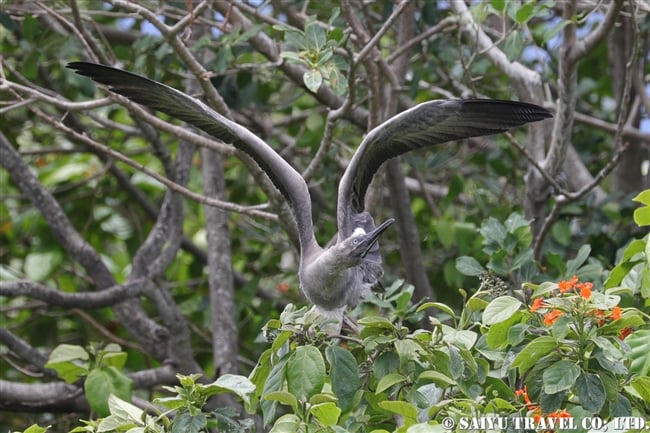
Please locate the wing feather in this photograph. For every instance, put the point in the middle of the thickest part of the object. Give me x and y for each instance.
(160, 97)
(422, 126)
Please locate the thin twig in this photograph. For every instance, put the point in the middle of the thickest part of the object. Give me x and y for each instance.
(384, 28)
(165, 181)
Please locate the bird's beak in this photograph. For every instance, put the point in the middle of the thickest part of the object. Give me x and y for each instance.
(370, 238)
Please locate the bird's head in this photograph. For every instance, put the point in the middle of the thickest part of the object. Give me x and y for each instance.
(360, 242)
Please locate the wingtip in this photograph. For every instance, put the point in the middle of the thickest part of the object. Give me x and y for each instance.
(81, 67)
(524, 112)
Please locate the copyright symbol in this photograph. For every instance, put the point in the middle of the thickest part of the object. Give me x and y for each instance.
(448, 423)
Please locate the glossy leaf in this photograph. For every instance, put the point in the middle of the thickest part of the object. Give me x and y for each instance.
(305, 372)
(344, 375)
(560, 376)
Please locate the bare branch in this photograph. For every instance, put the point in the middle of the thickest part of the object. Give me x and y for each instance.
(581, 48)
(515, 70)
(104, 298)
(41, 396)
(162, 179)
(22, 348)
(629, 132)
(372, 43)
(141, 326)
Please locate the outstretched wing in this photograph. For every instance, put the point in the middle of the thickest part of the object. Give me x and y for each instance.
(184, 107)
(425, 125)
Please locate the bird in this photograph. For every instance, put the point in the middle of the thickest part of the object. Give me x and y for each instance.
(339, 276)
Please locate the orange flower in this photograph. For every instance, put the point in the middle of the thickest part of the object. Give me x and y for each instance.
(560, 414)
(523, 391)
(529, 404)
(537, 414)
(624, 333)
(601, 315)
(585, 289)
(537, 304)
(565, 285)
(550, 318)
(616, 313)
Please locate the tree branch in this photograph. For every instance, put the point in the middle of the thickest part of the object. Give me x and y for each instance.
(142, 327)
(104, 298)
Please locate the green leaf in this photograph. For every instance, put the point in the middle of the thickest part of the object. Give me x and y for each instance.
(35, 428)
(513, 46)
(377, 322)
(643, 197)
(327, 413)
(535, 350)
(123, 415)
(338, 81)
(323, 398)
(439, 305)
(69, 371)
(591, 392)
(388, 381)
(498, 5)
(334, 14)
(517, 333)
(437, 377)
(551, 402)
(261, 371)
(407, 350)
(73, 170)
(500, 309)
(613, 366)
(9, 24)
(560, 376)
(344, 375)
(238, 385)
(497, 335)
(610, 351)
(407, 410)
(31, 28)
(469, 266)
(639, 342)
(274, 382)
(38, 266)
(305, 372)
(525, 12)
(574, 264)
(283, 397)
(116, 360)
(642, 215)
(293, 57)
(288, 423)
(561, 232)
(619, 272)
(641, 385)
(69, 361)
(463, 339)
(620, 406)
(444, 229)
(103, 382)
(493, 231)
(315, 36)
(312, 79)
(186, 423)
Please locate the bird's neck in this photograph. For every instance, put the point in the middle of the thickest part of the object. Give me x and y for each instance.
(325, 278)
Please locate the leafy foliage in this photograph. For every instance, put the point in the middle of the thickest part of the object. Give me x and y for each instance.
(309, 79)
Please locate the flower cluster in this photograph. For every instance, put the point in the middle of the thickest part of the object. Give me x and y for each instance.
(575, 290)
(536, 411)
